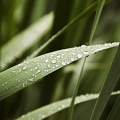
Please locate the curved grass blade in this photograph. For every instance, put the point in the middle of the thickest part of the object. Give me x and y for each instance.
(111, 80)
(28, 72)
(53, 108)
(23, 41)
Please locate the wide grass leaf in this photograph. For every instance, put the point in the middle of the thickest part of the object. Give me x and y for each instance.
(28, 72)
(24, 40)
(109, 85)
(115, 112)
(55, 107)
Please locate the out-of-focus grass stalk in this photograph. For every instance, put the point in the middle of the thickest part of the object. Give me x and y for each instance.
(11, 22)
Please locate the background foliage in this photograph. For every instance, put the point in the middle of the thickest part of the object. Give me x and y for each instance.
(17, 15)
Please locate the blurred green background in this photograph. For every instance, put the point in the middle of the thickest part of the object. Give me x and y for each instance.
(17, 15)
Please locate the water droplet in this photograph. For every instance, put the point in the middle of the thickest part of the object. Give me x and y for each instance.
(72, 59)
(33, 74)
(79, 55)
(63, 106)
(36, 68)
(74, 53)
(86, 52)
(46, 60)
(24, 68)
(5, 83)
(54, 61)
(51, 55)
(30, 79)
(58, 56)
(34, 60)
(92, 49)
(83, 45)
(19, 64)
(23, 85)
(63, 63)
(14, 71)
(56, 65)
(38, 71)
(48, 65)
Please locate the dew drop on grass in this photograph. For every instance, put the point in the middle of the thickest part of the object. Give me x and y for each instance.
(13, 71)
(83, 45)
(36, 68)
(72, 59)
(54, 61)
(63, 106)
(56, 65)
(30, 79)
(86, 52)
(74, 53)
(23, 84)
(58, 56)
(38, 71)
(33, 74)
(46, 60)
(48, 65)
(5, 83)
(79, 55)
(19, 64)
(24, 68)
(63, 63)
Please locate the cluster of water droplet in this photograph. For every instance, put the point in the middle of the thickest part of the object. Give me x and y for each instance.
(50, 62)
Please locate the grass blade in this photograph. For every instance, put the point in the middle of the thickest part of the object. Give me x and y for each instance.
(53, 108)
(97, 17)
(30, 71)
(115, 112)
(23, 41)
(111, 81)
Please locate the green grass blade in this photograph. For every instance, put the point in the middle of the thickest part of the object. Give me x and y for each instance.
(71, 109)
(111, 81)
(53, 108)
(97, 17)
(115, 112)
(28, 72)
(23, 41)
(11, 19)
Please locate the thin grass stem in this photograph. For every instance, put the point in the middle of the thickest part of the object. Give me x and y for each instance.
(71, 109)
(95, 22)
